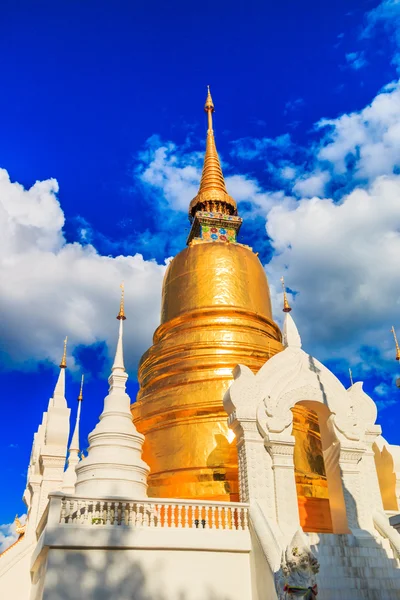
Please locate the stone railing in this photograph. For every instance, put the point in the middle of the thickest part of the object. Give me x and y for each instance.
(157, 513)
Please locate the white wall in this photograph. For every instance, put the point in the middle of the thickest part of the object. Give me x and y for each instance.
(15, 581)
(96, 574)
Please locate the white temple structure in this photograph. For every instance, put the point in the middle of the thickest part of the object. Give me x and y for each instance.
(93, 533)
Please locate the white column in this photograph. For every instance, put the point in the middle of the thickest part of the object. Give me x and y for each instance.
(352, 481)
(281, 450)
(256, 481)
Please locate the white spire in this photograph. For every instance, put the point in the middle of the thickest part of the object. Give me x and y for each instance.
(69, 479)
(291, 336)
(58, 398)
(114, 465)
(119, 354)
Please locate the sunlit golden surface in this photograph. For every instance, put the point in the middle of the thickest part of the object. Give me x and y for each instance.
(216, 313)
(311, 482)
(386, 477)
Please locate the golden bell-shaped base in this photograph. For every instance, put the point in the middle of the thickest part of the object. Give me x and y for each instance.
(216, 313)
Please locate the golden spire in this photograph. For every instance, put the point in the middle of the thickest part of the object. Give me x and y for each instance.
(286, 306)
(121, 314)
(80, 397)
(212, 195)
(63, 364)
(397, 344)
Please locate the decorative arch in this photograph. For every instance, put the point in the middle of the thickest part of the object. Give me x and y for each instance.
(347, 424)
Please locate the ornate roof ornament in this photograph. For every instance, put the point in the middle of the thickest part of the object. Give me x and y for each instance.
(286, 306)
(121, 314)
(63, 363)
(397, 344)
(119, 354)
(58, 397)
(19, 528)
(80, 396)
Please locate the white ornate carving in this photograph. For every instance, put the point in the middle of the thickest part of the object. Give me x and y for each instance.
(297, 575)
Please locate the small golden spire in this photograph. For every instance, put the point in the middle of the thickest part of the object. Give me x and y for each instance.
(63, 364)
(397, 344)
(209, 108)
(286, 306)
(351, 377)
(212, 195)
(80, 397)
(121, 314)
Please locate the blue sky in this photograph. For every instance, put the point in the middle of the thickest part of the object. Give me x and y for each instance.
(102, 106)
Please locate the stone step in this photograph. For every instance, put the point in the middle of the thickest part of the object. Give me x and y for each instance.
(356, 583)
(352, 594)
(355, 551)
(358, 561)
(347, 541)
(375, 572)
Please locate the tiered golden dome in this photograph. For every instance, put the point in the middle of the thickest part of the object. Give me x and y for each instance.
(216, 313)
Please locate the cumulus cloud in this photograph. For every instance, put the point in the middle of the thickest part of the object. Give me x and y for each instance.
(312, 184)
(342, 259)
(52, 288)
(8, 535)
(366, 143)
(172, 171)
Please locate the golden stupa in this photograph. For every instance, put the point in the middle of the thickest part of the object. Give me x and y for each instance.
(216, 313)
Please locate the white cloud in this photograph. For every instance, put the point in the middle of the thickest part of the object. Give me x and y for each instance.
(175, 174)
(8, 534)
(342, 259)
(311, 184)
(52, 288)
(371, 137)
(288, 173)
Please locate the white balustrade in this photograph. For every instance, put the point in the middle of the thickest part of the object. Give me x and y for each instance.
(152, 513)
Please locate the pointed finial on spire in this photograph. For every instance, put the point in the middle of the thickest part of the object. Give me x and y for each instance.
(119, 354)
(397, 344)
(59, 391)
(212, 195)
(63, 364)
(80, 397)
(121, 314)
(286, 306)
(209, 108)
(351, 377)
(19, 528)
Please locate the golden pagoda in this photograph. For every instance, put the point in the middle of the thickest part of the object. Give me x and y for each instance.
(216, 313)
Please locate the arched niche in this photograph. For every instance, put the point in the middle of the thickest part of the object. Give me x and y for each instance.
(334, 512)
(386, 476)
